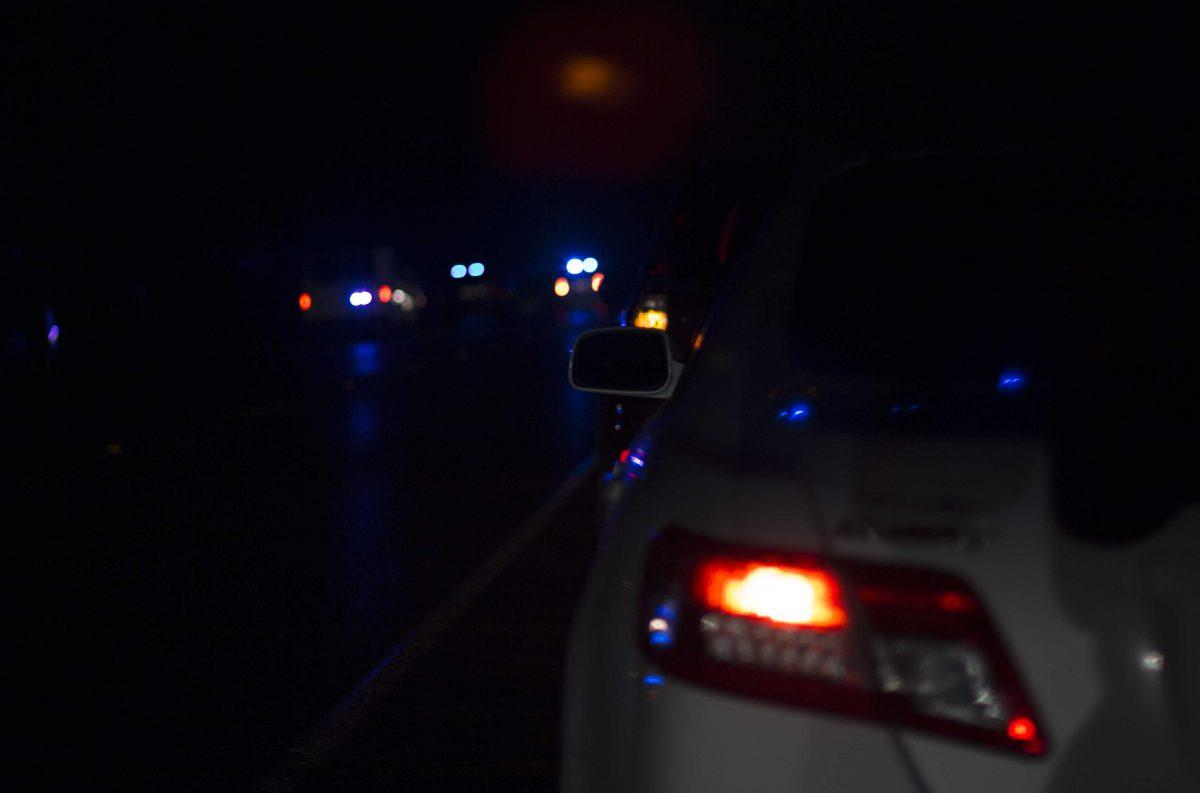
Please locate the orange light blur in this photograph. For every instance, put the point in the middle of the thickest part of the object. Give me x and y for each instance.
(650, 318)
(305, 301)
(783, 595)
(698, 342)
(597, 280)
(561, 287)
(1022, 729)
(587, 77)
(385, 294)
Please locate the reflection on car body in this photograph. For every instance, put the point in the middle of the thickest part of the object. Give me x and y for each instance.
(915, 518)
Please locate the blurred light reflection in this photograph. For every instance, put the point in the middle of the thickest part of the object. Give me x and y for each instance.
(364, 358)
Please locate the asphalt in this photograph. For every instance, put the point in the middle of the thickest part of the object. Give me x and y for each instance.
(471, 700)
(194, 589)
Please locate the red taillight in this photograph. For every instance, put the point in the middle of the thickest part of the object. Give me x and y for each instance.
(385, 294)
(1022, 729)
(873, 641)
(783, 595)
(305, 301)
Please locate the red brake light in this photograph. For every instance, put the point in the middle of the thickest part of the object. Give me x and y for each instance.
(385, 294)
(908, 646)
(305, 301)
(1022, 729)
(783, 595)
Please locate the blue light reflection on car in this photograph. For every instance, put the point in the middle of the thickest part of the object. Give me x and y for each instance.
(652, 681)
(631, 463)
(795, 413)
(1011, 381)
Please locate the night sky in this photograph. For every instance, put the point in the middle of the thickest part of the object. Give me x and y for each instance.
(182, 156)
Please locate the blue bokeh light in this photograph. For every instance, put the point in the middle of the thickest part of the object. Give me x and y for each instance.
(458, 271)
(574, 266)
(475, 270)
(590, 265)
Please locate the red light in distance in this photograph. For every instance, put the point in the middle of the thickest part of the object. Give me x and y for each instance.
(385, 294)
(305, 301)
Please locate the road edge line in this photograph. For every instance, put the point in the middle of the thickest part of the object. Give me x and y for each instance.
(345, 717)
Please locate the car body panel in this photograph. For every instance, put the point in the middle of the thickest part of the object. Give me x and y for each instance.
(1102, 630)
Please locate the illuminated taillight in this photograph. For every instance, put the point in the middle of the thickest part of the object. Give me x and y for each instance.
(385, 294)
(305, 301)
(597, 281)
(561, 287)
(913, 647)
(783, 595)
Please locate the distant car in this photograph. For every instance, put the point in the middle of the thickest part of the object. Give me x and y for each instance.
(477, 288)
(709, 225)
(358, 286)
(922, 513)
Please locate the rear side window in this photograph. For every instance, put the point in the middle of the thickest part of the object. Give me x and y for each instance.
(710, 224)
(962, 267)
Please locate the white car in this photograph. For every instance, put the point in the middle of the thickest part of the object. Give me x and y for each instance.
(923, 514)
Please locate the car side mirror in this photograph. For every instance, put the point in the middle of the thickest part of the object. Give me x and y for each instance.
(625, 362)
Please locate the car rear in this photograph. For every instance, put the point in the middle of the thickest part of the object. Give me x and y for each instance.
(930, 532)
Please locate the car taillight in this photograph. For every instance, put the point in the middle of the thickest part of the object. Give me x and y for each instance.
(900, 645)
(385, 294)
(305, 301)
(781, 595)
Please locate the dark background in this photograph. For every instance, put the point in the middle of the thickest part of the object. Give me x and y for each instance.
(163, 165)
(219, 524)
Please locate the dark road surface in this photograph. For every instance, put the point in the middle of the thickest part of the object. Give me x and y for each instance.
(196, 601)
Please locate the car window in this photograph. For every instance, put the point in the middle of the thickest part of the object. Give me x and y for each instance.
(965, 267)
(707, 228)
